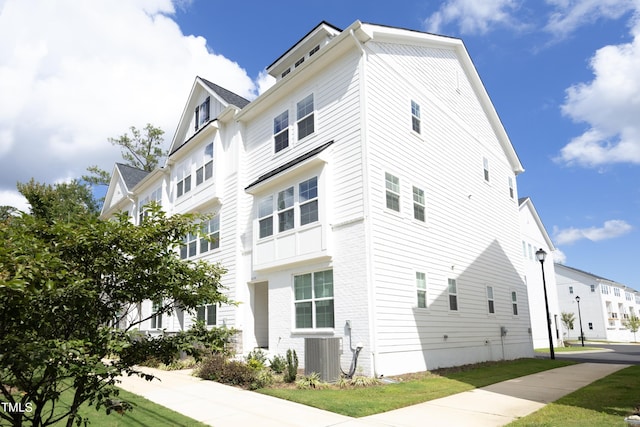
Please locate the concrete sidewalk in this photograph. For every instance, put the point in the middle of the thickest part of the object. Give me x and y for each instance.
(496, 405)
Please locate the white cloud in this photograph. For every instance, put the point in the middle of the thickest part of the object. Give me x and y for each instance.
(15, 199)
(264, 82)
(568, 15)
(610, 229)
(473, 16)
(559, 256)
(74, 73)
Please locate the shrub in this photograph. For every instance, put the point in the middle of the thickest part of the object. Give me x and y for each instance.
(362, 381)
(310, 381)
(263, 378)
(291, 370)
(278, 364)
(257, 354)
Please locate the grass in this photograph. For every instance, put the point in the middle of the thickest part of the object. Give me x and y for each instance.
(567, 349)
(360, 402)
(605, 402)
(144, 413)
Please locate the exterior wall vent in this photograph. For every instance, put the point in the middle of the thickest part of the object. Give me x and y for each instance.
(322, 355)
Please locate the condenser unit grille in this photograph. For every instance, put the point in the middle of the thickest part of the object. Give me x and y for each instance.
(322, 355)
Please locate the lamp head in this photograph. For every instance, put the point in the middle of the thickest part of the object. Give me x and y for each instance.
(541, 255)
(578, 299)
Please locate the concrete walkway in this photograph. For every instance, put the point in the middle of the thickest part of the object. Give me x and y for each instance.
(496, 405)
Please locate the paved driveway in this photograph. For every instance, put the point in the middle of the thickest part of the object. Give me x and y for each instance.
(611, 353)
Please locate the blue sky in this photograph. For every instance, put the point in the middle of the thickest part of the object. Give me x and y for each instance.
(563, 75)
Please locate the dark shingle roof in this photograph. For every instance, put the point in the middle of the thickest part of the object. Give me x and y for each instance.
(131, 175)
(228, 96)
(289, 164)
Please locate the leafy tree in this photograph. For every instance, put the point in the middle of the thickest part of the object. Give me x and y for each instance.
(7, 211)
(65, 281)
(633, 324)
(143, 150)
(64, 201)
(567, 320)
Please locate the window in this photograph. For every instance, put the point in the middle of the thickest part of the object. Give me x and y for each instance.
(308, 195)
(155, 196)
(616, 291)
(415, 116)
(208, 240)
(421, 284)
(205, 171)
(314, 50)
(490, 300)
(570, 289)
(202, 113)
(285, 72)
(305, 117)
(265, 217)
(590, 325)
(314, 300)
(288, 205)
(392, 184)
(593, 288)
(514, 302)
(605, 289)
(285, 209)
(418, 204)
(299, 62)
(281, 131)
(183, 185)
(207, 314)
(156, 319)
(511, 190)
(524, 249)
(453, 295)
(210, 229)
(485, 163)
(530, 251)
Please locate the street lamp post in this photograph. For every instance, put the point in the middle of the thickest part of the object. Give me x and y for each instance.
(540, 256)
(580, 319)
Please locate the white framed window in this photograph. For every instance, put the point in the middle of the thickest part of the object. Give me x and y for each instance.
(590, 326)
(314, 50)
(202, 113)
(490, 300)
(421, 285)
(281, 132)
(453, 295)
(205, 170)
(305, 117)
(512, 191)
(313, 304)
(570, 289)
(299, 62)
(604, 289)
(156, 319)
(524, 249)
(616, 291)
(514, 302)
(207, 314)
(415, 116)
(155, 196)
(265, 217)
(183, 184)
(419, 204)
(285, 72)
(392, 184)
(189, 246)
(308, 199)
(485, 165)
(210, 238)
(593, 288)
(285, 210)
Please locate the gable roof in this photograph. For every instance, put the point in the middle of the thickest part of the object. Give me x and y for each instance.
(131, 175)
(526, 201)
(226, 95)
(595, 277)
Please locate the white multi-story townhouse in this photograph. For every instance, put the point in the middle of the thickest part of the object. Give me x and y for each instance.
(605, 305)
(369, 196)
(535, 237)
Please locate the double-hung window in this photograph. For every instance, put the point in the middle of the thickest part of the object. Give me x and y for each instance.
(314, 300)
(453, 295)
(205, 171)
(308, 195)
(210, 239)
(418, 204)
(511, 189)
(304, 117)
(514, 302)
(415, 116)
(490, 300)
(207, 314)
(189, 246)
(202, 113)
(485, 165)
(285, 210)
(156, 318)
(421, 285)
(183, 184)
(265, 216)
(281, 132)
(392, 184)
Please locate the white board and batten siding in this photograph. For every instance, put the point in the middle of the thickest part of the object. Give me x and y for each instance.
(471, 232)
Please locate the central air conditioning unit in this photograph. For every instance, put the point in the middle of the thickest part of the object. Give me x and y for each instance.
(322, 355)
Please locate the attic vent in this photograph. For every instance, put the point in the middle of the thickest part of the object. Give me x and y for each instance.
(287, 71)
(314, 50)
(299, 61)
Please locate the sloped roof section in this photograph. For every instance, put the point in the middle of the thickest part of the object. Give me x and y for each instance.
(131, 175)
(228, 96)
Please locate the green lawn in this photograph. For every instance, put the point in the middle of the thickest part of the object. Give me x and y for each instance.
(571, 349)
(361, 402)
(144, 413)
(603, 403)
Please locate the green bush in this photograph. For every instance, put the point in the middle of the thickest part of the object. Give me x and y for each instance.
(234, 372)
(291, 370)
(278, 364)
(310, 381)
(257, 354)
(263, 378)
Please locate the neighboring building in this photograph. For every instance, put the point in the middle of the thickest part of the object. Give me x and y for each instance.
(534, 237)
(369, 195)
(605, 305)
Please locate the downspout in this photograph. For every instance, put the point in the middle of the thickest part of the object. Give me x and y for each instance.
(366, 204)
